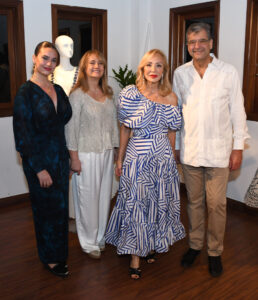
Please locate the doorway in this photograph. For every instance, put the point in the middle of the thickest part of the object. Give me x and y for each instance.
(180, 19)
(86, 26)
(250, 83)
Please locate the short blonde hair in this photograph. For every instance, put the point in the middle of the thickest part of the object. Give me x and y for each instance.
(82, 81)
(164, 84)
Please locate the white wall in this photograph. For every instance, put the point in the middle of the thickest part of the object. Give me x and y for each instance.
(160, 21)
(12, 181)
(134, 26)
(239, 180)
(231, 49)
(38, 27)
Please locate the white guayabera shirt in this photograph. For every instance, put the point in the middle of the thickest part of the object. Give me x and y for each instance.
(214, 119)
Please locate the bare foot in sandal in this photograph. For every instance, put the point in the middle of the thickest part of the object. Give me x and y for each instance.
(150, 258)
(134, 269)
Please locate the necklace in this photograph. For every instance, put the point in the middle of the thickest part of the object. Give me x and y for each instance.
(52, 77)
(44, 85)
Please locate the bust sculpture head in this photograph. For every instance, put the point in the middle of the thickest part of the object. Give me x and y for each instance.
(65, 74)
(64, 45)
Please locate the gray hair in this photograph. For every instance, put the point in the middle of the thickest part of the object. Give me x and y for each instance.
(197, 27)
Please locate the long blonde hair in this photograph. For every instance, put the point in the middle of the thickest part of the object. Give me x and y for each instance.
(164, 84)
(82, 81)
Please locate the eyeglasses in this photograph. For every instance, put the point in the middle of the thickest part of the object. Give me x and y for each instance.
(200, 42)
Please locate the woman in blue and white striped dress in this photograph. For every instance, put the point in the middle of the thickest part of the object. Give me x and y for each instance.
(146, 217)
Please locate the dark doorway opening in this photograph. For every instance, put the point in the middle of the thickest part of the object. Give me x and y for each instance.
(86, 26)
(180, 20)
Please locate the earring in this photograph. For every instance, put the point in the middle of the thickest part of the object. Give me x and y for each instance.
(33, 69)
(161, 80)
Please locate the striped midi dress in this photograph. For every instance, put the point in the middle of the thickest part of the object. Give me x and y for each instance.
(146, 215)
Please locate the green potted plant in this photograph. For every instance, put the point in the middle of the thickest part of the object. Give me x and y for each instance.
(124, 76)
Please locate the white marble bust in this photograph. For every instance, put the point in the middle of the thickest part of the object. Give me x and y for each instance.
(65, 74)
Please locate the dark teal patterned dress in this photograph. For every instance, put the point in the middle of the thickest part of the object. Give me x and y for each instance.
(39, 138)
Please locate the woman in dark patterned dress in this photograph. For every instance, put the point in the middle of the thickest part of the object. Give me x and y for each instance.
(41, 111)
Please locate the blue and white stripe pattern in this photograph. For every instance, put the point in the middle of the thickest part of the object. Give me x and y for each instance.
(147, 212)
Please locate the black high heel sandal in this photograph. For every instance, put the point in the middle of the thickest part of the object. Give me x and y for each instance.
(60, 269)
(135, 271)
(150, 258)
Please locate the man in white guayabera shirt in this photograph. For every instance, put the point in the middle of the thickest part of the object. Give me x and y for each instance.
(211, 141)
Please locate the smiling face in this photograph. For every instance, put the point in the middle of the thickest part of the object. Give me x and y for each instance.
(45, 62)
(95, 67)
(199, 45)
(153, 69)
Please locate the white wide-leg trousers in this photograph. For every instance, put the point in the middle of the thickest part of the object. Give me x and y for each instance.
(92, 194)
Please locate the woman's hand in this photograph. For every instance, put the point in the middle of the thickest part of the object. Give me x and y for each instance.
(177, 156)
(124, 137)
(118, 169)
(76, 166)
(45, 179)
(115, 154)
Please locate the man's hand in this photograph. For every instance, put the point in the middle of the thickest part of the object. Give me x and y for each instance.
(235, 159)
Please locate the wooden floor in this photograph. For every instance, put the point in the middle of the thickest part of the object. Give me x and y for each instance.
(23, 277)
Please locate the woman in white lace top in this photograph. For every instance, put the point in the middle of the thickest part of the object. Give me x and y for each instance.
(92, 135)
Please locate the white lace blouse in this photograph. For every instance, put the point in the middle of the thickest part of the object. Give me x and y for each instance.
(93, 126)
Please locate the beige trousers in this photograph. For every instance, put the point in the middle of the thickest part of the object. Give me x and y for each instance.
(204, 184)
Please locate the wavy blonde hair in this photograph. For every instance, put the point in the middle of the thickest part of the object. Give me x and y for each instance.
(164, 84)
(82, 81)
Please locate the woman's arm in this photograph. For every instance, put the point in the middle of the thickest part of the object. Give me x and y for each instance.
(24, 130)
(172, 99)
(75, 162)
(72, 131)
(172, 140)
(124, 137)
(171, 133)
(26, 138)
